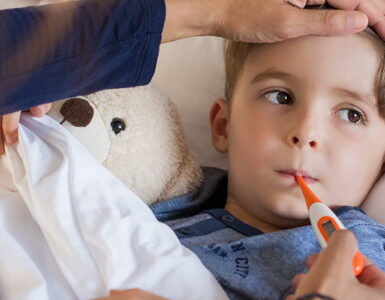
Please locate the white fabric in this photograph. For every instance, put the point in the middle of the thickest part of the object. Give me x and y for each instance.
(69, 229)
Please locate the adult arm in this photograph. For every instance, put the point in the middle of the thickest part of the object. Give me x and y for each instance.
(58, 51)
(331, 273)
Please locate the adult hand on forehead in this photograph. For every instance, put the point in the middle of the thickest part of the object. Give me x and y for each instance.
(261, 21)
(9, 124)
(374, 10)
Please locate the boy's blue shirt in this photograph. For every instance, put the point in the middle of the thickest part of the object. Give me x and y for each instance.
(248, 263)
(76, 48)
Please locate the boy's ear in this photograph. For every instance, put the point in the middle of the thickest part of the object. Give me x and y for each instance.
(218, 121)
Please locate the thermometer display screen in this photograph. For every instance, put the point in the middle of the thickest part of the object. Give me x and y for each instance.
(329, 227)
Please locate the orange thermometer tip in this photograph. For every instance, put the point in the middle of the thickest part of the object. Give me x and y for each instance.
(307, 193)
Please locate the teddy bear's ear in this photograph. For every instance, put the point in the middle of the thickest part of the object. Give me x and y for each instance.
(77, 111)
(81, 118)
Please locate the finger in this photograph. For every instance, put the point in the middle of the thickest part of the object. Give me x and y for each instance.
(2, 149)
(134, 294)
(39, 111)
(371, 275)
(324, 22)
(297, 3)
(360, 5)
(333, 266)
(311, 260)
(337, 257)
(297, 280)
(290, 297)
(379, 27)
(9, 126)
(48, 107)
(374, 10)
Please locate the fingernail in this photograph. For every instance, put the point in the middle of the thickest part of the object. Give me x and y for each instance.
(298, 3)
(356, 20)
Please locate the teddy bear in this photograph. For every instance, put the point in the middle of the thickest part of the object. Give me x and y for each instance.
(137, 134)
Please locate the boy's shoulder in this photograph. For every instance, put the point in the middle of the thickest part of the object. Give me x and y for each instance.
(211, 194)
(370, 235)
(353, 217)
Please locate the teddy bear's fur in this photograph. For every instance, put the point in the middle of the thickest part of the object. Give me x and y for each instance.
(137, 134)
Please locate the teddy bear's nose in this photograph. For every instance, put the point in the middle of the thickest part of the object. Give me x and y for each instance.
(77, 111)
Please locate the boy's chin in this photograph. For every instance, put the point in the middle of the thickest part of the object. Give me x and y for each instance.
(292, 211)
(293, 219)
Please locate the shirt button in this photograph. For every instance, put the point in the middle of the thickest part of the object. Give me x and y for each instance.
(186, 230)
(228, 218)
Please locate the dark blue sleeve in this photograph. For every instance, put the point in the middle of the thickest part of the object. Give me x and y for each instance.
(76, 48)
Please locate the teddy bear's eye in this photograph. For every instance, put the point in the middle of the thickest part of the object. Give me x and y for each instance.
(117, 125)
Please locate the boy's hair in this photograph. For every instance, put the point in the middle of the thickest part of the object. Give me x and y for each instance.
(236, 54)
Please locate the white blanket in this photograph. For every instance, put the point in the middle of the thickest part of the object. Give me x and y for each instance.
(69, 229)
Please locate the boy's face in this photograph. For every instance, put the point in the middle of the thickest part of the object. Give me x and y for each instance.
(307, 106)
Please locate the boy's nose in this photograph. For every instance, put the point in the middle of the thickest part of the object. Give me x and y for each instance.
(304, 133)
(303, 141)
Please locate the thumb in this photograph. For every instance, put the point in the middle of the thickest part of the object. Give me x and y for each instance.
(329, 22)
(338, 255)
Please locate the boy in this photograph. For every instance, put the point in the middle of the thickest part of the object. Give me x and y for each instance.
(312, 106)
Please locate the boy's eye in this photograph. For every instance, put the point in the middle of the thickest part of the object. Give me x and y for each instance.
(279, 97)
(351, 115)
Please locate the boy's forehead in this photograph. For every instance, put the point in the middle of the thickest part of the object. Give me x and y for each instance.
(315, 46)
(344, 60)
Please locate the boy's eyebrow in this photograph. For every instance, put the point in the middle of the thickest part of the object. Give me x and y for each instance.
(271, 73)
(366, 98)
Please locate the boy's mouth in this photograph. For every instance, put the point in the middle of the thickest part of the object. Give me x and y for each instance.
(291, 173)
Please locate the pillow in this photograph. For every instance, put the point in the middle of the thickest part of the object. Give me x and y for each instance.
(191, 72)
(5, 4)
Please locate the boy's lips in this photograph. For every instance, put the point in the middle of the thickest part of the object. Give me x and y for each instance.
(291, 173)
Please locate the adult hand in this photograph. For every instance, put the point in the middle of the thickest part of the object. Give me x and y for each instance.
(131, 294)
(10, 122)
(331, 273)
(261, 21)
(374, 10)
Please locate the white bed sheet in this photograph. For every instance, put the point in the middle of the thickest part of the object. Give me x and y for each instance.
(70, 229)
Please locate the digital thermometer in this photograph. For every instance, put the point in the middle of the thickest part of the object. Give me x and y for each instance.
(325, 222)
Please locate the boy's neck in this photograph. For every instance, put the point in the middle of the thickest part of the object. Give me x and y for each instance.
(242, 214)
